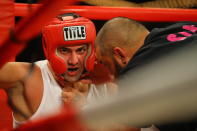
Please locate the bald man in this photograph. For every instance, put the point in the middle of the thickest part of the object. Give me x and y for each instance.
(123, 44)
(118, 41)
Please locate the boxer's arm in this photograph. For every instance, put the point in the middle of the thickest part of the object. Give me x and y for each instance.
(13, 76)
(12, 72)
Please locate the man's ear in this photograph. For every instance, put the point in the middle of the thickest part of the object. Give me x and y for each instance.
(120, 56)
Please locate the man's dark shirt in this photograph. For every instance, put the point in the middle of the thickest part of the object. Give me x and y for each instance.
(160, 42)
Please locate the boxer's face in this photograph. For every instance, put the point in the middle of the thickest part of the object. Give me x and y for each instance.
(74, 57)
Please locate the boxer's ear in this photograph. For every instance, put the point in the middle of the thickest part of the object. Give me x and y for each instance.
(120, 56)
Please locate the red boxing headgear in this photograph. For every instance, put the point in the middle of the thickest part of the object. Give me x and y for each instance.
(68, 32)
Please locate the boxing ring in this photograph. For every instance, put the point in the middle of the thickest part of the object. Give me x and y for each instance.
(139, 102)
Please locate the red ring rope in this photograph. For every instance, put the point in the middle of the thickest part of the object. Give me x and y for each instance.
(140, 14)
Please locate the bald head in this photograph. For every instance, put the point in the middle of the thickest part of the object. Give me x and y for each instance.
(122, 32)
(119, 39)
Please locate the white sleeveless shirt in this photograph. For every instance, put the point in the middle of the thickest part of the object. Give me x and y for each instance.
(51, 100)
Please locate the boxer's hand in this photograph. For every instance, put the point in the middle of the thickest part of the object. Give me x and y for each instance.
(76, 94)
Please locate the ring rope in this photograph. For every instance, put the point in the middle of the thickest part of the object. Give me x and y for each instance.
(140, 14)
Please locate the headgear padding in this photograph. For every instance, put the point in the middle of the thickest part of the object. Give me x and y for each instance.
(68, 32)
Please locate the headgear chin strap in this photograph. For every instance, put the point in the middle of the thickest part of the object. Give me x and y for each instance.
(74, 31)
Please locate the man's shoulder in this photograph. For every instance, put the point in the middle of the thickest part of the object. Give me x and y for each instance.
(175, 35)
(174, 27)
(177, 32)
(17, 66)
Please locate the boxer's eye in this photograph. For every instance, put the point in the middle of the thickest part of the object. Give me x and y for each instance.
(64, 50)
(82, 50)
